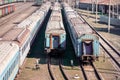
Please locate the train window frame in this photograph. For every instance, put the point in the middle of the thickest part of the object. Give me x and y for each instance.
(91, 40)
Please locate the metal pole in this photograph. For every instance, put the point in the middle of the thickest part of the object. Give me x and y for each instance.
(117, 11)
(92, 6)
(113, 11)
(96, 10)
(109, 16)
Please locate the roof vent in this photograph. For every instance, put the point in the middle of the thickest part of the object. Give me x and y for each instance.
(11, 44)
(0, 38)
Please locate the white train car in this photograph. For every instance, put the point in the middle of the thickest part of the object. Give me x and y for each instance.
(55, 35)
(9, 60)
(34, 22)
(24, 33)
(15, 44)
(21, 37)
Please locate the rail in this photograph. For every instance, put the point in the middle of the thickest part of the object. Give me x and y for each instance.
(60, 68)
(82, 69)
(96, 72)
(14, 15)
(49, 69)
(85, 73)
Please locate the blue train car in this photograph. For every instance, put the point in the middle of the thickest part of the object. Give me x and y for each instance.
(55, 35)
(84, 40)
(9, 60)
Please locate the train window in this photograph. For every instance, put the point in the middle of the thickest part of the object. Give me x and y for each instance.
(9, 72)
(25, 46)
(6, 78)
(3, 78)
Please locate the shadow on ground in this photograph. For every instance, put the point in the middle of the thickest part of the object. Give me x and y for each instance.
(115, 31)
(37, 48)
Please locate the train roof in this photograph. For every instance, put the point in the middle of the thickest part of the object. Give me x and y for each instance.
(55, 24)
(24, 24)
(7, 52)
(56, 13)
(72, 14)
(77, 23)
(82, 29)
(55, 27)
(17, 35)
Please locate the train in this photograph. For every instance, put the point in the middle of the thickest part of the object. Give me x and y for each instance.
(19, 40)
(55, 35)
(3, 2)
(9, 60)
(6, 9)
(85, 41)
(6, 2)
(38, 2)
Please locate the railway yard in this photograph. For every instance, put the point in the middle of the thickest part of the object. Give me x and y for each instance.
(39, 64)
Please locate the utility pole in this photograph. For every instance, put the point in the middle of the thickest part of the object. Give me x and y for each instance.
(113, 12)
(109, 16)
(117, 9)
(96, 10)
(77, 3)
(92, 5)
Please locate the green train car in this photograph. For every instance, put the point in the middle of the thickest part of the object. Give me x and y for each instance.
(38, 2)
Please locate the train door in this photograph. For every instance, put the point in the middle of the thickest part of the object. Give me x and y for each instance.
(55, 40)
(88, 47)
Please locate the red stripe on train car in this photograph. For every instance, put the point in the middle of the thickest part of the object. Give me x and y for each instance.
(3, 11)
(9, 9)
(13, 7)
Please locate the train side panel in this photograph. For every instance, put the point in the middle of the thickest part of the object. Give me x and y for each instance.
(47, 40)
(63, 41)
(24, 49)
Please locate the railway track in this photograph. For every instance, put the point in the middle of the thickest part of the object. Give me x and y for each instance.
(11, 21)
(108, 48)
(12, 16)
(89, 73)
(55, 69)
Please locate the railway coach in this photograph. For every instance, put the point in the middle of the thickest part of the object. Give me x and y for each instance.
(84, 40)
(6, 9)
(55, 35)
(24, 33)
(15, 43)
(34, 22)
(9, 60)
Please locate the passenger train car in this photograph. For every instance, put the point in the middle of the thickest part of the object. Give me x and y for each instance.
(55, 35)
(38, 2)
(84, 40)
(25, 32)
(15, 44)
(9, 60)
(6, 9)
